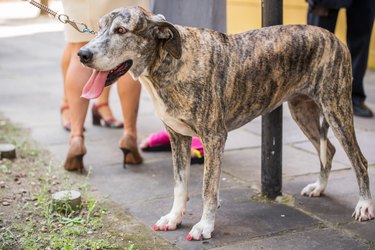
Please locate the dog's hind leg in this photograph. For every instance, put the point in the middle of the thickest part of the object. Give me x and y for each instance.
(306, 113)
(181, 169)
(213, 149)
(339, 114)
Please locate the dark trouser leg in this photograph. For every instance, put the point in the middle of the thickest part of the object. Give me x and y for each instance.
(360, 19)
(326, 22)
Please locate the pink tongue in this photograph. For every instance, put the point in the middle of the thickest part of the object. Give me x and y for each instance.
(95, 85)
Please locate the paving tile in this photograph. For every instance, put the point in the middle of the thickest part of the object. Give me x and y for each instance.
(246, 164)
(240, 138)
(323, 239)
(291, 132)
(363, 230)
(239, 218)
(338, 201)
(50, 134)
(365, 141)
(148, 181)
(366, 124)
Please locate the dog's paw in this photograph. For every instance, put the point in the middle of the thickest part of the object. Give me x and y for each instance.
(313, 190)
(364, 210)
(201, 230)
(169, 222)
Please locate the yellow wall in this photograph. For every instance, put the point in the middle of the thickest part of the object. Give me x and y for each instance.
(246, 14)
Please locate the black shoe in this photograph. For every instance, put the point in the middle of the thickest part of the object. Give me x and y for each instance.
(360, 109)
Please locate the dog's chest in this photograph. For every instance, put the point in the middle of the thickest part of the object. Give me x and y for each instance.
(161, 110)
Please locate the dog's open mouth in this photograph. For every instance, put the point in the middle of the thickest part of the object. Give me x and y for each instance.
(100, 79)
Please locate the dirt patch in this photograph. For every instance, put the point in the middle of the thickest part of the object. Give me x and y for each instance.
(28, 219)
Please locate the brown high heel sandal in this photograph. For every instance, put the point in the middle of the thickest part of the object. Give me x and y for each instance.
(74, 158)
(128, 145)
(98, 120)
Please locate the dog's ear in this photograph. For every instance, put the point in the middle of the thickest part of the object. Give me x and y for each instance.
(169, 34)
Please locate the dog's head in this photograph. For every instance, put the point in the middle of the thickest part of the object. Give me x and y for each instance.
(128, 39)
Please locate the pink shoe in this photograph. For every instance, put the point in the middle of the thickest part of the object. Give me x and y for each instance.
(159, 142)
(197, 151)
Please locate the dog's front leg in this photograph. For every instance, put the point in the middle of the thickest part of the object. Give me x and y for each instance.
(213, 151)
(181, 168)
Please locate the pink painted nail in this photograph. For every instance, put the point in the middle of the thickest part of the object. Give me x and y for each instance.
(156, 227)
(189, 237)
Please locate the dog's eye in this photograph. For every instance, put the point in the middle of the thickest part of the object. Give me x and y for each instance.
(120, 30)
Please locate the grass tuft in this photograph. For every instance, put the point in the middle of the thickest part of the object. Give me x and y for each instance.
(29, 219)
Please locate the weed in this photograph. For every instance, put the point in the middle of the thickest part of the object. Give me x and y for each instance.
(7, 238)
(46, 226)
(31, 220)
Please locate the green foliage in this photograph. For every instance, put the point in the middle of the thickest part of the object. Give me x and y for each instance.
(38, 223)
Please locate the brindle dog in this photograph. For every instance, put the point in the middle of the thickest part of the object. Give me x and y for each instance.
(205, 83)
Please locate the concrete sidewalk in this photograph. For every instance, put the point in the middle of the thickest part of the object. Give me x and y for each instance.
(30, 94)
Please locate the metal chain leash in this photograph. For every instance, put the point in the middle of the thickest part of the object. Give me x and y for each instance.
(80, 27)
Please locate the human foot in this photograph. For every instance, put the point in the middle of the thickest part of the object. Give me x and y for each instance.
(102, 116)
(74, 158)
(128, 145)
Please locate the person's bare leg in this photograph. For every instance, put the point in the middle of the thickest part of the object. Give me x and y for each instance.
(75, 79)
(65, 60)
(129, 92)
(102, 111)
(104, 97)
(64, 107)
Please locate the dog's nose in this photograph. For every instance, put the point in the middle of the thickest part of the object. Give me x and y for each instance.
(85, 55)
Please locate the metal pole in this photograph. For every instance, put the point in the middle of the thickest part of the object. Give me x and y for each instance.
(272, 14)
